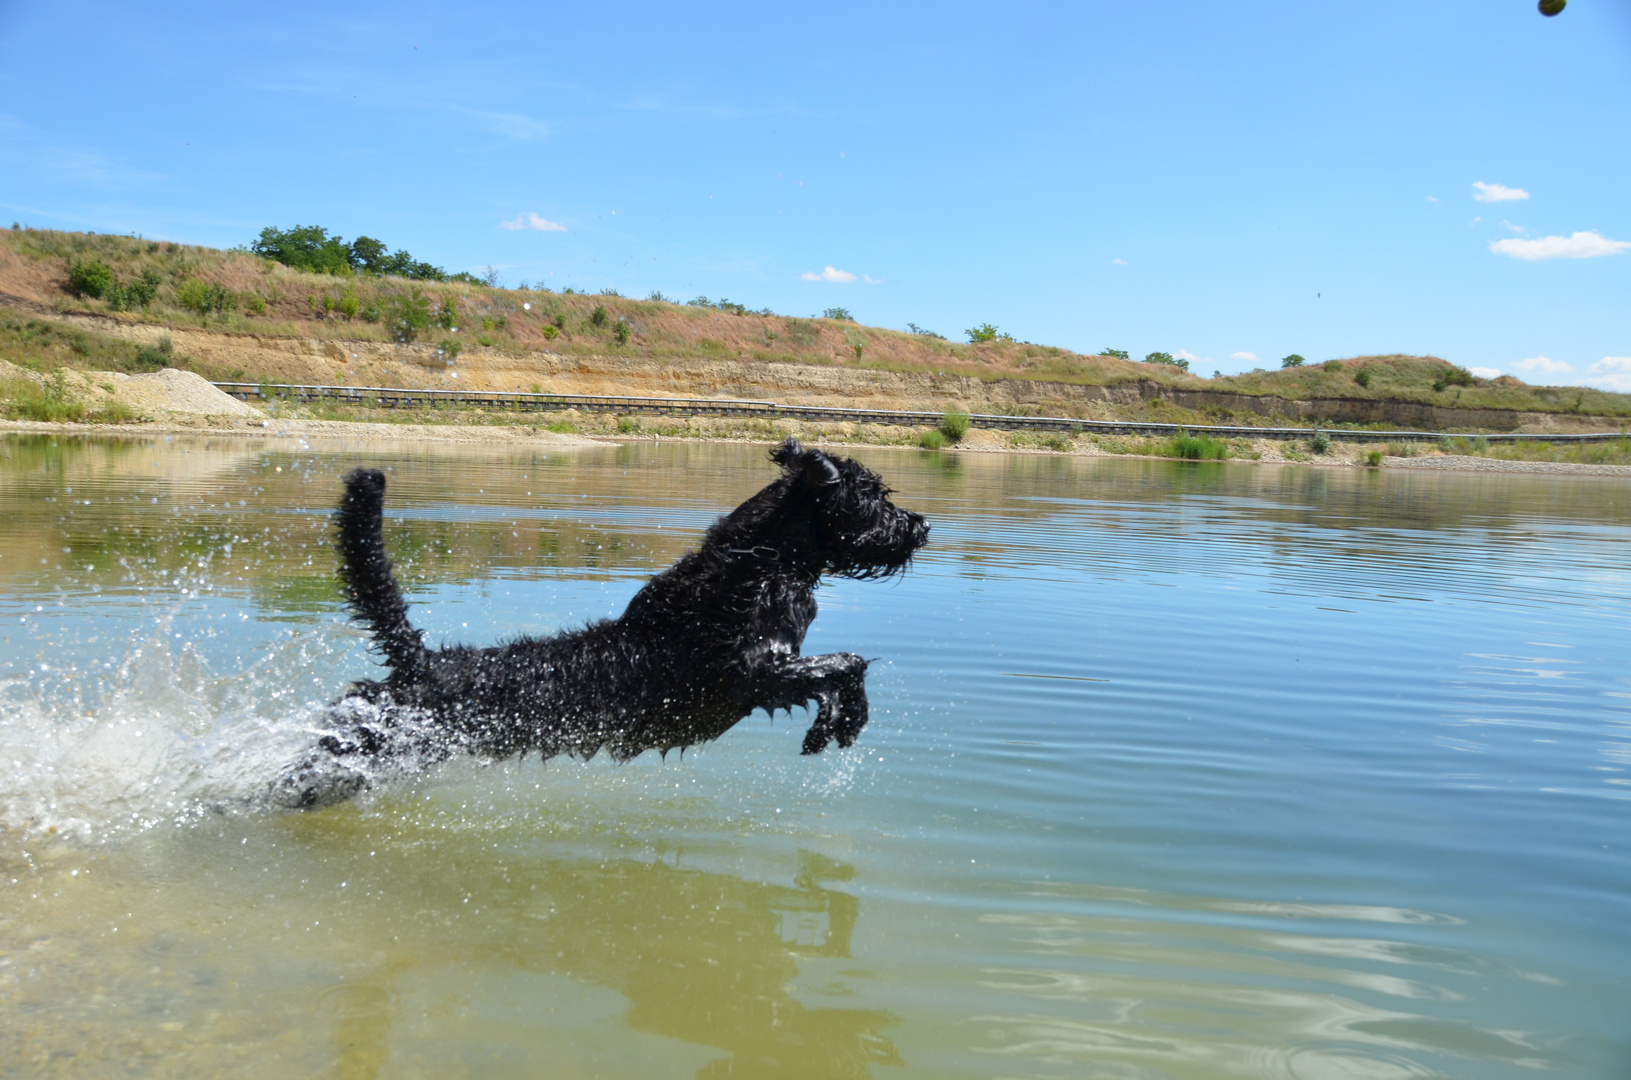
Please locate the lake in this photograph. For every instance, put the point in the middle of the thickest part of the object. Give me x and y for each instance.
(1174, 770)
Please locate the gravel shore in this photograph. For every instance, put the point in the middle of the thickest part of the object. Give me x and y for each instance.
(1465, 463)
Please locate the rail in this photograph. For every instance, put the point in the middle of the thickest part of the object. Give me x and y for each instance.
(387, 397)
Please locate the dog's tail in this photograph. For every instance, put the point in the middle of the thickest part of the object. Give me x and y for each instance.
(366, 571)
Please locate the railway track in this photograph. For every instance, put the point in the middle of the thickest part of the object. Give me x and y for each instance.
(385, 397)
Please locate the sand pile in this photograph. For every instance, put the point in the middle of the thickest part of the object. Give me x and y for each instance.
(172, 391)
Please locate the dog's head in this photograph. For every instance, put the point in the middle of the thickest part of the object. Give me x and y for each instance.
(860, 533)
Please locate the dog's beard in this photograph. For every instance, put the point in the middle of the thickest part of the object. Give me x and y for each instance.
(882, 550)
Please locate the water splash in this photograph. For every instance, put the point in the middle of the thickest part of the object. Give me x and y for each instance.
(159, 740)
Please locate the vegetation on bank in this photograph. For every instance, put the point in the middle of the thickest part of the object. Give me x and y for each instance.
(302, 290)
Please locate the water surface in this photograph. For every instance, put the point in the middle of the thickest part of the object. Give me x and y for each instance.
(1175, 770)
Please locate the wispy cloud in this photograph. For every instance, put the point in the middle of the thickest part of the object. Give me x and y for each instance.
(1543, 365)
(513, 125)
(829, 274)
(1118, 262)
(1486, 372)
(1610, 373)
(1432, 198)
(1184, 354)
(1519, 229)
(532, 221)
(1496, 192)
(1580, 245)
(1249, 357)
(872, 280)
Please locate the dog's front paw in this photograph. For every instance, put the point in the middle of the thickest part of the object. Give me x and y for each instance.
(840, 717)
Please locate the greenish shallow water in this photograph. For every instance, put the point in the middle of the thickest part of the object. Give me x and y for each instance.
(1175, 770)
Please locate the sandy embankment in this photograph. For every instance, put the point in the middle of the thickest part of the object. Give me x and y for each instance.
(182, 402)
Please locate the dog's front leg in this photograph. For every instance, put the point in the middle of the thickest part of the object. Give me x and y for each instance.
(836, 680)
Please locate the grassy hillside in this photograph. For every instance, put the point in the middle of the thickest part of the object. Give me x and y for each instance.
(45, 274)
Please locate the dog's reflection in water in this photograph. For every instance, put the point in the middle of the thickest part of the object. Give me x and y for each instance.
(699, 957)
(702, 645)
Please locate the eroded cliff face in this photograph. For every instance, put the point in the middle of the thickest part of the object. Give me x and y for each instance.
(371, 363)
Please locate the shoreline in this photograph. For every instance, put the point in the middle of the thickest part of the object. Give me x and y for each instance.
(518, 435)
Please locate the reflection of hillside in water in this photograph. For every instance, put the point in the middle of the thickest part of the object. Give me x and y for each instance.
(251, 516)
(408, 959)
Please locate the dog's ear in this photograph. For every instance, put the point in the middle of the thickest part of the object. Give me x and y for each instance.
(787, 455)
(819, 469)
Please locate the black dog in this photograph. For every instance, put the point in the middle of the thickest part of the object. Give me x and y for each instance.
(701, 646)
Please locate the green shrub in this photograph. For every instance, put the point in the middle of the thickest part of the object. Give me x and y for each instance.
(1319, 442)
(839, 313)
(1458, 376)
(27, 400)
(89, 279)
(620, 331)
(627, 424)
(483, 339)
(1401, 449)
(114, 411)
(597, 317)
(1167, 359)
(447, 315)
(979, 335)
(406, 315)
(196, 294)
(1119, 354)
(859, 350)
(954, 425)
(1372, 458)
(1197, 447)
(1362, 377)
(142, 291)
(450, 349)
(138, 293)
(802, 331)
(1332, 365)
(372, 312)
(933, 439)
(1438, 385)
(255, 304)
(149, 358)
(1292, 361)
(550, 333)
(350, 306)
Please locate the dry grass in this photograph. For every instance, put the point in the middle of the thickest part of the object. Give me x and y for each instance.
(272, 300)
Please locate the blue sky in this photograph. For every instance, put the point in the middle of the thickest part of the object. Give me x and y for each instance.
(1231, 182)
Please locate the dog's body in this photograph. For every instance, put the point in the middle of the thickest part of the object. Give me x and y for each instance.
(700, 647)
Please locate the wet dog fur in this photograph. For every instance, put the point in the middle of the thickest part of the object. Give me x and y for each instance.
(702, 645)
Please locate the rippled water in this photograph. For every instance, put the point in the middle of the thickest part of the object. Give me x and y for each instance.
(1175, 770)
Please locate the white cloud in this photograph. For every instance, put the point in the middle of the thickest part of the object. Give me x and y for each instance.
(1474, 221)
(1543, 365)
(1496, 192)
(829, 274)
(1507, 225)
(1432, 198)
(1118, 262)
(1486, 372)
(1184, 354)
(1249, 357)
(1580, 245)
(872, 280)
(532, 221)
(1610, 373)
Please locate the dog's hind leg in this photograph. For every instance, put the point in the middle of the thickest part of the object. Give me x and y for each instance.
(369, 586)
